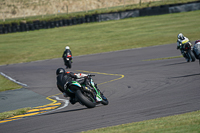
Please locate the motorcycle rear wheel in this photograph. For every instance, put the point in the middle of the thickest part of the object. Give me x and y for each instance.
(68, 63)
(87, 101)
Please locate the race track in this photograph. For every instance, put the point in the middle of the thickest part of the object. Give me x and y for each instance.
(143, 89)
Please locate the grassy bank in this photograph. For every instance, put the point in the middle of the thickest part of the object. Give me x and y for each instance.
(184, 123)
(6, 84)
(98, 37)
(12, 113)
(19, 10)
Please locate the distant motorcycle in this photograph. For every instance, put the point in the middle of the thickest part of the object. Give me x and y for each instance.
(68, 61)
(189, 55)
(87, 93)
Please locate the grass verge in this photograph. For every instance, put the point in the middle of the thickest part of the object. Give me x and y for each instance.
(6, 84)
(184, 123)
(12, 113)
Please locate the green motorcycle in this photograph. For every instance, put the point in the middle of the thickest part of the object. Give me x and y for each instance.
(87, 92)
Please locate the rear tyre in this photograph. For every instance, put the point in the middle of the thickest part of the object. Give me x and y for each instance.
(87, 101)
(69, 65)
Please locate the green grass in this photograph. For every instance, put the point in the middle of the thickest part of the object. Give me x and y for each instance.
(12, 113)
(6, 84)
(184, 123)
(98, 37)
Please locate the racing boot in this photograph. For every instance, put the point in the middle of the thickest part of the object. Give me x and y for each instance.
(73, 100)
(64, 94)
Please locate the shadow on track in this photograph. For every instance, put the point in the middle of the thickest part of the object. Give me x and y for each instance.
(73, 110)
(176, 63)
(187, 75)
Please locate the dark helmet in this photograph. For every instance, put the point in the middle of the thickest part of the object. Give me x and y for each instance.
(60, 70)
(197, 41)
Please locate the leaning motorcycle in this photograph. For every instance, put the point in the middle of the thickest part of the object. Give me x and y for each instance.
(196, 50)
(87, 93)
(189, 55)
(68, 61)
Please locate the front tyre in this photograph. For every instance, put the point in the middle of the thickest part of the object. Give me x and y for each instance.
(105, 100)
(191, 54)
(87, 101)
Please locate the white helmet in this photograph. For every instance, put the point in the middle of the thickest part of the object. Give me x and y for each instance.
(67, 47)
(180, 36)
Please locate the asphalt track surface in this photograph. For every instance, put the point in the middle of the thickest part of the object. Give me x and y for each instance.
(148, 90)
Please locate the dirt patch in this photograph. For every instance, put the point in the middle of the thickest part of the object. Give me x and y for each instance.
(22, 8)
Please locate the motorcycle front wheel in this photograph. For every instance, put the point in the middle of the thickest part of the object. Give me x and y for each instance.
(105, 100)
(191, 54)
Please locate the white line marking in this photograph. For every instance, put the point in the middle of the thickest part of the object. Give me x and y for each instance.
(65, 105)
(6, 76)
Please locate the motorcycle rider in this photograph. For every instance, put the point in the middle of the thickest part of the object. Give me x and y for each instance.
(197, 42)
(181, 40)
(65, 53)
(196, 49)
(65, 78)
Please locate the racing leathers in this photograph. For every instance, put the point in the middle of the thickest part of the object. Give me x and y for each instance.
(64, 79)
(65, 53)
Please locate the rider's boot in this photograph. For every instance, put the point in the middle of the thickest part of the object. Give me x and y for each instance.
(73, 100)
(64, 94)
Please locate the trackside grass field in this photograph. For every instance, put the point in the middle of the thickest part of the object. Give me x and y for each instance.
(98, 37)
(6, 84)
(184, 123)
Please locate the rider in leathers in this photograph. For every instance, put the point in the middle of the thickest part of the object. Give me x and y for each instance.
(64, 79)
(181, 40)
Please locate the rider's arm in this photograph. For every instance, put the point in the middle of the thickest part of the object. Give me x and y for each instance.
(178, 45)
(64, 53)
(71, 74)
(81, 75)
(71, 52)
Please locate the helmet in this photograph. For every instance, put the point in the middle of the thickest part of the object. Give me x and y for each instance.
(67, 47)
(180, 36)
(197, 41)
(60, 71)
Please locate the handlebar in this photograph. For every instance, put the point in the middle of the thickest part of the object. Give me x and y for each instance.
(90, 75)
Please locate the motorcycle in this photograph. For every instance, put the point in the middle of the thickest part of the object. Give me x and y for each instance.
(68, 61)
(196, 50)
(87, 92)
(188, 52)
